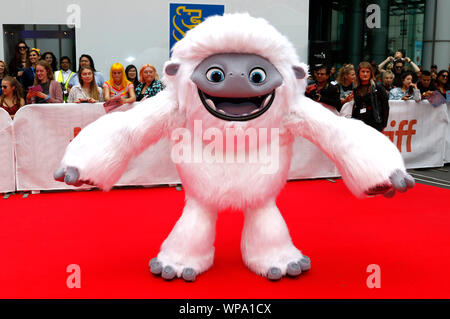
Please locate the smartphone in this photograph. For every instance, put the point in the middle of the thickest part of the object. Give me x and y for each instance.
(112, 104)
(36, 88)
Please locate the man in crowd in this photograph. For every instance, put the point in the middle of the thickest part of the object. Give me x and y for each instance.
(425, 85)
(64, 75)
(434, 69)
(322, 90)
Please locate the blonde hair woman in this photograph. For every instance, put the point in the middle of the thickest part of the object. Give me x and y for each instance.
(388, 80)
(118, 87)
(3, 70)
(346, 80)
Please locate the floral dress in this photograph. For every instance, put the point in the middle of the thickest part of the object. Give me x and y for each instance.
(150, 91)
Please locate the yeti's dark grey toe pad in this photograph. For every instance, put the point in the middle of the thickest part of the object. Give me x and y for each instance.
(155, 266)
(189, 274)
(168, 273)
(274, 274)
(293, 269)
(305, 263)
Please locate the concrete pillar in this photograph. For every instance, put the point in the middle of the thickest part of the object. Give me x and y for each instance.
(356, 32)
(380, 35)
(436, 36)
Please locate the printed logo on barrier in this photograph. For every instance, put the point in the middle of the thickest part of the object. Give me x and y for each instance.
(405, 128)
(76, 131)
(184, 17)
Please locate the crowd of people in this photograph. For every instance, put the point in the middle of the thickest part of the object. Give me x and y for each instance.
(371, 86)
(33, 78)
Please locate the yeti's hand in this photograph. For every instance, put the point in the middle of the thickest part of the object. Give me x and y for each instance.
(70, 176)
(367, 160)
(398, 181)
(100, 153)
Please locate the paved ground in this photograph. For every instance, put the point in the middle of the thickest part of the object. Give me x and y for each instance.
(439, 177)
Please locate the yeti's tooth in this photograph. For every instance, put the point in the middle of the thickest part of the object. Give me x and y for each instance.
(221, 111)
(210, 104)
(254, 111)
(266, 101)
(245, 114)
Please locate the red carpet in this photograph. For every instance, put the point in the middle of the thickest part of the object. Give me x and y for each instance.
(112, 236)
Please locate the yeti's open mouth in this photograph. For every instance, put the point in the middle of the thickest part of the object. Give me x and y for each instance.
(237, 109)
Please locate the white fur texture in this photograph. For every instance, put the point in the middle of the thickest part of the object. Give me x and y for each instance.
(266, 241)
(102, 150)
(363, 156)
(191, 242)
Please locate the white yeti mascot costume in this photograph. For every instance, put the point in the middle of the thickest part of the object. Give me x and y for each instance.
(234, 72)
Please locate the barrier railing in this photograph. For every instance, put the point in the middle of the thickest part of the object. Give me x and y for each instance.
(7, 169)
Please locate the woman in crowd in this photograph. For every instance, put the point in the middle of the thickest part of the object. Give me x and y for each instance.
(376, 71)
(332, 73)
(132, 74)
(371, 103)
(388, 80)
(3, 69)
(407, 91)
(150, 84)
(442, 82)
(3, 73)
(390, 67)
(86, 60)
(27, 78)
(51, 59)
(49, 91)
(87, 91)
(19, 62)
(118, 85)
(11, 99)
(346, 80)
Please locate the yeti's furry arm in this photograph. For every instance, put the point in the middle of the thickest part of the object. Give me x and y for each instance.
(367, 160)
(100, 153)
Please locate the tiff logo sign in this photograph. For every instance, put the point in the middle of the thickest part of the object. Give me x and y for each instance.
(401, 132)
(373, 20)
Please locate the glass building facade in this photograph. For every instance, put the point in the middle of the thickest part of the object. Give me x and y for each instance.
(351, 31)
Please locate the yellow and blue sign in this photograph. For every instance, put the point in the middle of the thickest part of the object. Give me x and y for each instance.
(184, 17)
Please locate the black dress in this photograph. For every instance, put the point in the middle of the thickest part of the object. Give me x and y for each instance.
(371, 106)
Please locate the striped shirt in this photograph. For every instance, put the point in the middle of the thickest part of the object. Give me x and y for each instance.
(119, 91)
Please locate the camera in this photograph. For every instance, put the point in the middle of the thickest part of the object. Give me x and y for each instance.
(402, 60)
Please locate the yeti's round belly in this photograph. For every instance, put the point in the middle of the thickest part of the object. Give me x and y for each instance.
(237, 184)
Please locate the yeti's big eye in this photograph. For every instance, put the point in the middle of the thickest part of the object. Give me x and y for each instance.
(257, 75)
(215, 75)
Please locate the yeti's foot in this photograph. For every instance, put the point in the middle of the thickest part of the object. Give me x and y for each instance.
(266, 246)
(170, 270)
(293, 269)
(189, 249)
(275, 265)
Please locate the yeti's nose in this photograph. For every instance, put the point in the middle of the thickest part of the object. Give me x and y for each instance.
(231, 74)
